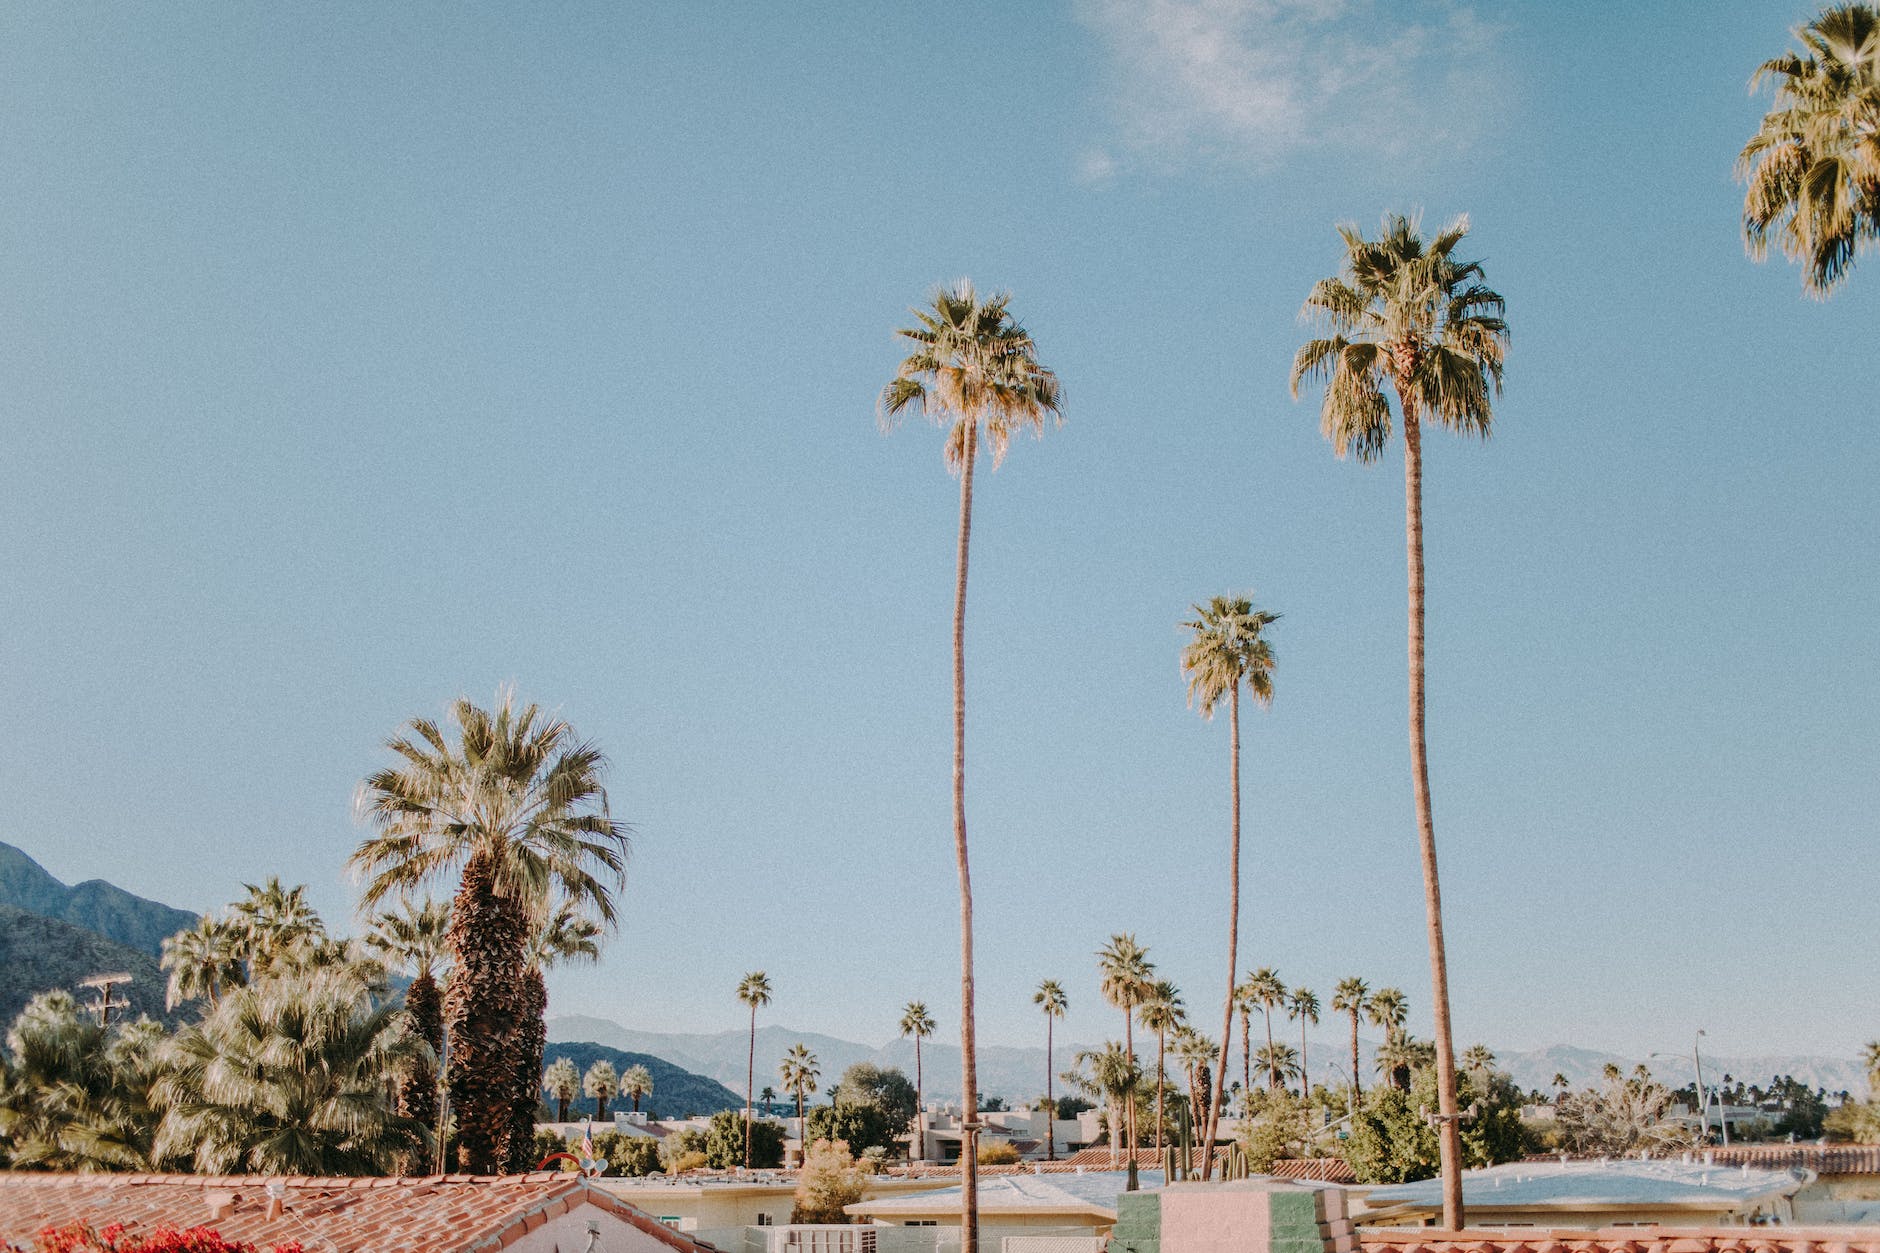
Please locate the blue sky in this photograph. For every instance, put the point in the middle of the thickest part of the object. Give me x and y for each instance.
(357, 358)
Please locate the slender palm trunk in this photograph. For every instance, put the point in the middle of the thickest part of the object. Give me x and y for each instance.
(920, 1107)
(969, 1070)
(750, 1080)
(1272, 1058)
(1161, 1082)
(1246, 1052)
(1426, 825)
(1355, 1081)
(1233, 935)
(601, 1097)
(1305, 1084)
(1050, 1122)
(1129, 1046)
(802, 1131)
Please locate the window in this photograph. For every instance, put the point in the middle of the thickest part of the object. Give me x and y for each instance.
(670, 1220)
(763, 1220)
(921, 1222)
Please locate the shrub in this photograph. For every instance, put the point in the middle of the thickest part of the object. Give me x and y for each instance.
(114, 1238)
(686, 1161)
(996, 1154)
(830, 1181)
(724, 1142)
(678, 1147)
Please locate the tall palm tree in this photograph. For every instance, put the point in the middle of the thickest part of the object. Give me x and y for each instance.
(1389, 1009)
(563, 1081)
(799, 1073)
(972, 367)
(513, 812)
(1051, 999)
(1405, 314)
(1813, 166)
(274, 922)
(1265, 990)
(1114, 1077)
(1353, 997)
(637, 1084)
(1303, 1004)
(287, 1077)
(602, 1082)
(768, 1095)
(560, 935)
(917, 1022)
(753, 991)
(1194, 1051)
(1162, 1012)
(1228, 651)
(1243, 1005)
(202, 961)
(412, 939)
(1128, 976)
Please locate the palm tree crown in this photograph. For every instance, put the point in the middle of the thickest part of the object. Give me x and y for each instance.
(1813, 166)
(1228, 649)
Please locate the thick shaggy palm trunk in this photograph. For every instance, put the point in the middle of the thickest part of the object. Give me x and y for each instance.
(417, 1089)
(1233, 936)
(531, 1043)
(969, 1069)
(483, 1007)
(1426, 831)
(561, 1107)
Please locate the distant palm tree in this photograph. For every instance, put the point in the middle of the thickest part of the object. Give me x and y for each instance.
(1872, 1057)
(413, 939)
(1405, 314)
(1162, 1013)
(799, 1074)
(637, 1085)
(1478, 1060)
(1813, 167)
(512, 812)
(1559, 1086)
(1303, 1005)
(753, 991)
(1388, 1008)
(1399, 1055)
(1280, 1061)
(202, 961)
(1051, 999)
(274, 921)
(602, 1083)
(1128, 976)
(1194, 1051)
(917, 1022)
(1353, 997)
(1265, 990)
(768, 1095)
(972, 367)
(1228, 650)
(563, 1082)
(287, 1077)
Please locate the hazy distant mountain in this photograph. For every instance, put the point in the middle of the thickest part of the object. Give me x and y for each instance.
(1017, 1074)
(39, 954)
(677, 1093)
(94, 904)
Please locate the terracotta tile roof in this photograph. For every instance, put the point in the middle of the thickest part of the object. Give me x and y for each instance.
(1318, 1169)
(439, 1214)
(1624, 1240)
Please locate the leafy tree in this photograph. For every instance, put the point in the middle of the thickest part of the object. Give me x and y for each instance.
(1620, 1116)
(885, 1088)
(726, 1138)
(1228, 650)
(1392, 1142)
(974, 370)
(1405, 314)
(544, 1144)
(862, 1125)
(74, 1096)
(515, 812)
(602, 1082)
(675, 1149)
(1051, 999)
(830, 1181)
(288, 1077)
(1813, 166)
(563, 1082)
(1279, 1127)
(753, 991)
(628, 1155)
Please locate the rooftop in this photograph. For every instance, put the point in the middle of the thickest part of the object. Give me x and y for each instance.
(1093, 1193)
(1616, 1183)
(439, 1214)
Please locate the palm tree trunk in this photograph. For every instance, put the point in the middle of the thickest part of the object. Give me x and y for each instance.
(1050, 1122)
(1246, 1051)
(920, 1107)
(531, 1043)
(1355, 1081)
(802, 1132)
(969, 1070)
(1129, 1046)
(1305, 1084)
(489, 937)
(1426, 825)
(561, 1108)
(1233, 934)
(1272, 1059)
(750, 1081)
(1161, 1081)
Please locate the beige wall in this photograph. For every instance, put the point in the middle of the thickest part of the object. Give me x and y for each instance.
(569, 1234)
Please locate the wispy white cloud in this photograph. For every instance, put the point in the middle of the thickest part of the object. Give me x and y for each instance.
(1252, 81)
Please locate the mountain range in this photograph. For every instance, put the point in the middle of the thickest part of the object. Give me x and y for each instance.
(133, 921)
(1017, 1073)
(677, 1093)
